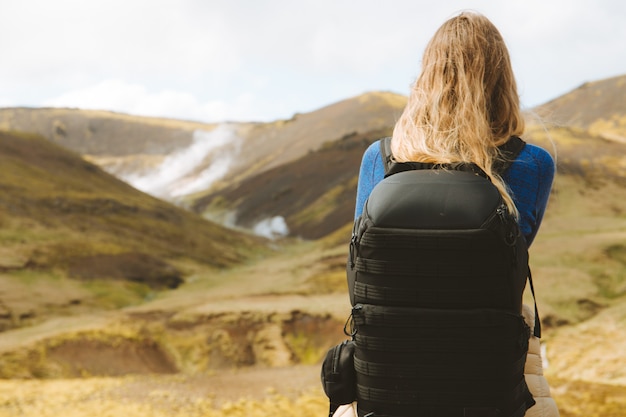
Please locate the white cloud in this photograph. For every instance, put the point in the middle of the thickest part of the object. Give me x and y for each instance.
(136, 99)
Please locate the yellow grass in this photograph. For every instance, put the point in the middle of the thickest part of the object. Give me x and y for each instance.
(109, 397)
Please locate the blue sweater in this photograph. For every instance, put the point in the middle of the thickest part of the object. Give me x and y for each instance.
(529, 179)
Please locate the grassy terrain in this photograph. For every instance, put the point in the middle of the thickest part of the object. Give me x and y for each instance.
(163, 397)
(579, 257)
(74, 238)
(204, 397)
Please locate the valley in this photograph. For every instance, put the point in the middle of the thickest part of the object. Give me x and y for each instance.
(117, 302)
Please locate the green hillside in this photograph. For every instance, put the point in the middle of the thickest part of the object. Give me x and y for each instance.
(105, 243)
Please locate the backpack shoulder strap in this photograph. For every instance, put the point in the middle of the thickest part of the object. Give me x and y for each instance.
(385, 153)
(537, 330)
(393, 167)
(508, 153)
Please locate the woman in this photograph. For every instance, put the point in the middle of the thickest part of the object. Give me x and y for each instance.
(463, 105)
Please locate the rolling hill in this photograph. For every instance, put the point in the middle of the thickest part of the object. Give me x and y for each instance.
(103, 242)
(101, 133)
(598, 107)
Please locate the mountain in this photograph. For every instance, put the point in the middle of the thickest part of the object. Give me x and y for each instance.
(592, 158)
(272, 144)
(102, 133)
(598, 107)
(153, 154)
(65, 218)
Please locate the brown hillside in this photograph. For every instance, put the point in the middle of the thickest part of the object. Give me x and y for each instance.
(285, 141)
(315, 193)
(591, 158)
(598, 106)
(56, 188)
(63, 217)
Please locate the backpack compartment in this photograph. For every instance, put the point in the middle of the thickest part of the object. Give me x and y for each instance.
(412, 361)
(436, 269)
(445, 229)
(433, 199)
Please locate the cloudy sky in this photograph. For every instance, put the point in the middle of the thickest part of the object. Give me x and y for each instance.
(261, 60)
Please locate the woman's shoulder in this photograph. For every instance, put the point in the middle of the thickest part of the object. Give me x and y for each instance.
(534, 158)
(372, 156)
(536, 153)
(533, 165)
(373, 150)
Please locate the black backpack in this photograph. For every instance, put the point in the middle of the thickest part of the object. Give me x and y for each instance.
(436, 273)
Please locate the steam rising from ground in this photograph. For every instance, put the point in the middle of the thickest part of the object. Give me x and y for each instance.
(272, 228)
(194, 168)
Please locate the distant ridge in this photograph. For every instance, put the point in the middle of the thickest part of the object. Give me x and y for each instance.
(269, 145)
(100, 132)
(598, 106)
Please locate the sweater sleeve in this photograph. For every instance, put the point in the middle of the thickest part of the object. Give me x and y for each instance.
(530, 180)
(372, 171)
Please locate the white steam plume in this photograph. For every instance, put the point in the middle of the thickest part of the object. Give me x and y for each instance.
(194, 168)
(272, 228)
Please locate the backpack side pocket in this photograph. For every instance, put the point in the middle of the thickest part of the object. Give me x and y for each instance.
(338, 374)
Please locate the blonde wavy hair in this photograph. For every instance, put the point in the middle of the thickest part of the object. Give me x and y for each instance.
(464, 103)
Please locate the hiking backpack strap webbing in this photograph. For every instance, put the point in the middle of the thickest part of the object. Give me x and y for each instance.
(537, 330)
(385, 153)
(509, 152)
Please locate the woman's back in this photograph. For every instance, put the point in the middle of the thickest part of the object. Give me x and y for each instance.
(529, 180)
